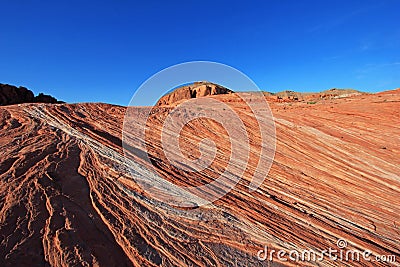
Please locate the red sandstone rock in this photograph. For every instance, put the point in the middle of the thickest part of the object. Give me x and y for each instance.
(66, 198)
(197, 89)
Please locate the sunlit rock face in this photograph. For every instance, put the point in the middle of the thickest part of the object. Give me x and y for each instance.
(67, 197)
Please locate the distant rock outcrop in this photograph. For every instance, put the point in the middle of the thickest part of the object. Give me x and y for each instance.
(42, 98)
(15, 95)
(10, 95)
(288, 96)
(195, 90)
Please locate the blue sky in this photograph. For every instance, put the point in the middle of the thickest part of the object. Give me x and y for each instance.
(102, 51)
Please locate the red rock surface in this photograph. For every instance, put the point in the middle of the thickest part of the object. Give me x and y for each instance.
(290, 96)
(67, 199)
(197, 89)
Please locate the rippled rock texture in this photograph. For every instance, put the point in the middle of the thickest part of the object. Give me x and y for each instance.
(67, 198)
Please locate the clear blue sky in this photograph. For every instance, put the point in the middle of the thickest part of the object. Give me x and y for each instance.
(101, 51)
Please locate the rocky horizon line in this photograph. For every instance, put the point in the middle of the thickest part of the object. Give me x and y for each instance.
(12, 94)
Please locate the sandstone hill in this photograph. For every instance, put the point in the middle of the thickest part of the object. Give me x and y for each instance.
(195, 90)
(67, 199)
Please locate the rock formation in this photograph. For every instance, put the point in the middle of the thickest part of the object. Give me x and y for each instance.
(10, 95)
(289, 96)
(67, 199)
(42, 98)
(14, 95)
(197, 89)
